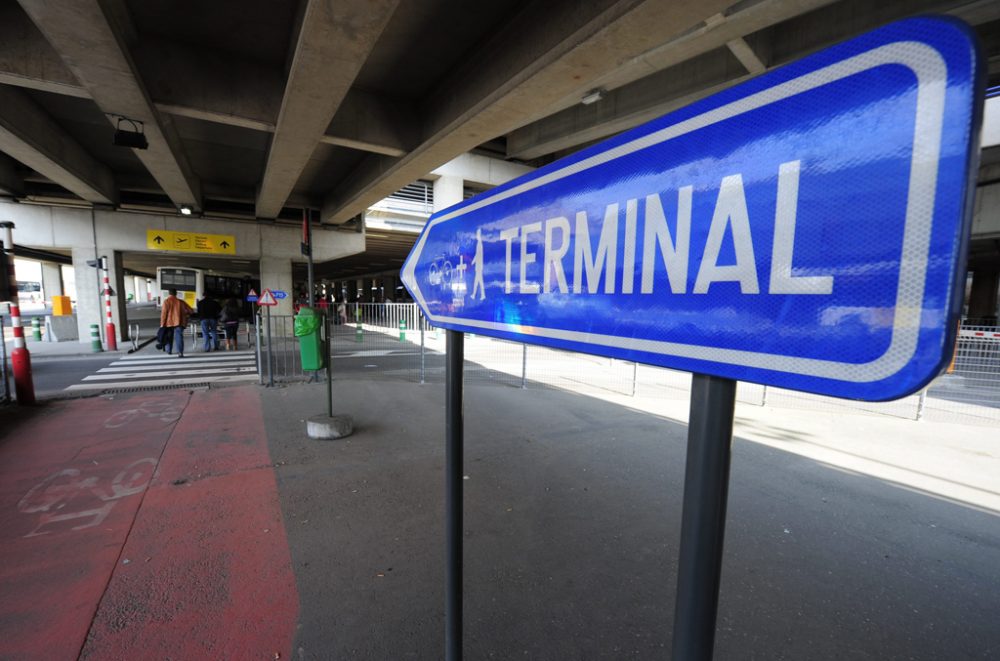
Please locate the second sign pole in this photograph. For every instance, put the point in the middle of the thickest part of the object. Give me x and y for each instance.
(703, 522)
(454, 440)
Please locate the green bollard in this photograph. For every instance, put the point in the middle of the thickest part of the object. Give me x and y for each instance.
(95, 339)
(402, 330)
(36, 329)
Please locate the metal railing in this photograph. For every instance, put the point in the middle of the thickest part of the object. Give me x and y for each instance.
(394, 341)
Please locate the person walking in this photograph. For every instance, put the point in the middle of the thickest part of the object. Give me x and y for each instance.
(175, 315)
(231, 322)
(209, 311)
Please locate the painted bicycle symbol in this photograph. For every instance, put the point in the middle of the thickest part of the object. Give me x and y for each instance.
(91, 502)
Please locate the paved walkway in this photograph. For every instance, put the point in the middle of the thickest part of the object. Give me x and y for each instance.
(144, 527)
(206, 524)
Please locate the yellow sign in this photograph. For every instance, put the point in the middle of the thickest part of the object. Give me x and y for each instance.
(218, 244)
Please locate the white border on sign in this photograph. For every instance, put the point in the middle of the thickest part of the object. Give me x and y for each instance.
(931, 72)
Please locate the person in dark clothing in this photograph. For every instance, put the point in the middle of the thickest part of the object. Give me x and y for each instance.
(231, 318)
(209, 311)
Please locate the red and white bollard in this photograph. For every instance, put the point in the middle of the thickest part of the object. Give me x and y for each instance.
(20, 359)
(109, 327)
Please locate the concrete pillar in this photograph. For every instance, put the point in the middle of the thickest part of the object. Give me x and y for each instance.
(68, 274)
(983, 297)
(276, 273)
(118, 310)
(448, 190)
(89, 298)
(129, 288)
(51, 280)
(141, 289)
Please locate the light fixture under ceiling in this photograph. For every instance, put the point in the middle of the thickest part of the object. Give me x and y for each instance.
(593, 96)
(185, 210)
(133, 137)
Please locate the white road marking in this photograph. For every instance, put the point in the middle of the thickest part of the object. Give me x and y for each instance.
(174, 360)
(161, 382)
(142, 375)
(172, 365)
(224, 354)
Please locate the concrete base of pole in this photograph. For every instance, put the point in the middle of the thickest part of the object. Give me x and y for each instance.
(325, 427)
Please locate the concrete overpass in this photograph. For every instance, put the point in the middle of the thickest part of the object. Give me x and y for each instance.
(257, 112)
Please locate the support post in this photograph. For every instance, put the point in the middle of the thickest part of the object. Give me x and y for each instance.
(256, 335)
(524, 366)
(703, 522)
(420, 320)
(307, 249)
(921, 403)
(4, 369)
(270, 353)
(329, 366)
(454, 441)
(110, 335)
(20, 359)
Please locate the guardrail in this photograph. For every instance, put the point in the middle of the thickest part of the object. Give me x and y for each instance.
(394, 341)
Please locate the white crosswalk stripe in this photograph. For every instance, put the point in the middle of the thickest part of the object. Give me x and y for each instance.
(152, 370)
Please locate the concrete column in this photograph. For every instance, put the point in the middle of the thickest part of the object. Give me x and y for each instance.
(141, 289)
(118, 310)
(276, 273)
(983, 297)
(89, 298)
(448, 190)
(51, 280)
(129, 288)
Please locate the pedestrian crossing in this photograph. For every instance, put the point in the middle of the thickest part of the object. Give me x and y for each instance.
(163, 370)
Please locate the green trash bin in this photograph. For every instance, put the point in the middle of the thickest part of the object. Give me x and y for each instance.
(308, 328)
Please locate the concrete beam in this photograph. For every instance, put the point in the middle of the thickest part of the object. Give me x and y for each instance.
(333, 43)
(10, 182)
(92, 38)
(30, 136)
(794, 33)
(627, 107)
(368, 122)
(480, 170)
(217, 87)
(746, 55)
(27, 60)
(545, 53)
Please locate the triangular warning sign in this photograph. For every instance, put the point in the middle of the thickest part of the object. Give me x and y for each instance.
(267, 298)
(252, 293)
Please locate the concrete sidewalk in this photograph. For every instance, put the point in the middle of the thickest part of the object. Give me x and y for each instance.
(849, 537)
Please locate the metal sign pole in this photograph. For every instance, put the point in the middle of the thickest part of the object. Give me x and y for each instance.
(3, 364)
(270, 354)
(329, 366)
(703, 523)
(256, 337)
(454, 440)
(307, 249)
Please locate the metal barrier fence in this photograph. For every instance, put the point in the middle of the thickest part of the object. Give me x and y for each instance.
(393, 341)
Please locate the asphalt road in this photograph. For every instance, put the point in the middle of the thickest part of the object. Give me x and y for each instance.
(572, 520)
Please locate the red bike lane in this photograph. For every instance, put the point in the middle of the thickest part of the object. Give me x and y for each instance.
(143, 526)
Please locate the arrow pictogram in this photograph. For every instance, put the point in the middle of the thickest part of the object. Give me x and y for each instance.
(158, 239)
(224, 244)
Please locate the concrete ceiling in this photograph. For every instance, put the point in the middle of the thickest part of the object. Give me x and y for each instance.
(260, 109)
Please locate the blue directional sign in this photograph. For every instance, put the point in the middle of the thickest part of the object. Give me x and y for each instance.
(805, 229)
(279, 294)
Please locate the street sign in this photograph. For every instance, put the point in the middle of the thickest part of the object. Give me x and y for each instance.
(219, 244)
(279, 294)
(806, 229)
(252, 296)
(267, 298)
